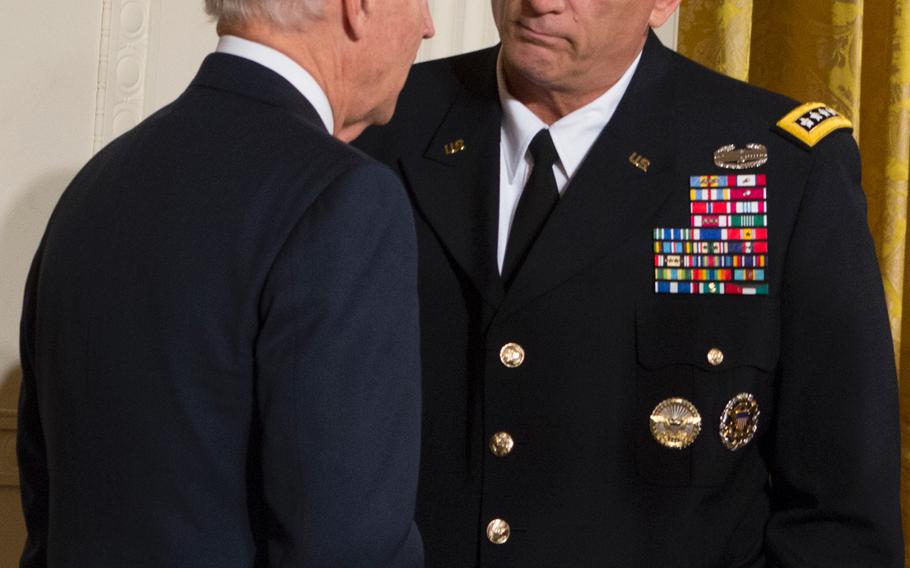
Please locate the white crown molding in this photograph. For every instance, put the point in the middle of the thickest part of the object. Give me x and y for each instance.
(122, 64)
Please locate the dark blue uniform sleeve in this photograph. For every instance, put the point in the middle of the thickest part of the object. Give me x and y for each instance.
(338, 381)
(834, 455)
(30, 447)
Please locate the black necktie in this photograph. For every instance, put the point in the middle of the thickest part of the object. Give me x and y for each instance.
(538, 199)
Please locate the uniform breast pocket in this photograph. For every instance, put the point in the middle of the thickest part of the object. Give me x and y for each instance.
(704, 388)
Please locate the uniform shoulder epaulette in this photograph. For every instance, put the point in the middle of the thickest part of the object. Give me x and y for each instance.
(810, 123)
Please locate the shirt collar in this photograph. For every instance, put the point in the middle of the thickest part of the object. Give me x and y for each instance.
(280, 63)
(573, 135)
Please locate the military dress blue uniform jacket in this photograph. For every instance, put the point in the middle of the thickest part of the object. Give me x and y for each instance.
(220, 346)
(798, 340)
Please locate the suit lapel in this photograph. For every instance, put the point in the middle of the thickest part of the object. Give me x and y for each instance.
(456, 182)
(609, 198)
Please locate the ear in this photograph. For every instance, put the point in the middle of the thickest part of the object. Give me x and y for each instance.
(355, 14)
(662, 11)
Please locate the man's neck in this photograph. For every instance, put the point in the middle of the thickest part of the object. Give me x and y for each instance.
(548, 104)
(318, 55)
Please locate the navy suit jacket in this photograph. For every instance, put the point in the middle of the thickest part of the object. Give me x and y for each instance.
(220, 346)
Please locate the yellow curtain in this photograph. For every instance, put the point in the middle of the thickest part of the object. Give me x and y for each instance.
(854, 55)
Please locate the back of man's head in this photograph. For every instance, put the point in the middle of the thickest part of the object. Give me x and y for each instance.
(282, 14)
(358, 51)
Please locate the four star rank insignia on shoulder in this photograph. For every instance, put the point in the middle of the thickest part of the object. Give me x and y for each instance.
(810, 123)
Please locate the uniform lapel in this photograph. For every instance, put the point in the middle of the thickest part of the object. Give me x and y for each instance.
(456, 182)
(610, 198)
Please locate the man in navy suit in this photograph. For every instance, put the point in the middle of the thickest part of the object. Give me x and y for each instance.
(220, 331)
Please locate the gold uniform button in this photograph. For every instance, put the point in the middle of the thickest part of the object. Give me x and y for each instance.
(512, 355)
(501, 444)
(715, 357)
(498, 531)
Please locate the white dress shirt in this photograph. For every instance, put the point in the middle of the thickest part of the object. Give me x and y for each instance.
(573, 135)
(284, 66)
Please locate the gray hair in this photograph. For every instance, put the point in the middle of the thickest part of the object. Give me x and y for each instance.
(284, 14)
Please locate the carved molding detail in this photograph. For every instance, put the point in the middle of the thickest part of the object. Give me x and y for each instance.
(122, 64)
(9, 470)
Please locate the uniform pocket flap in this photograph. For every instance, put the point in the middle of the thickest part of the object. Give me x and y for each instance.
(714, 336)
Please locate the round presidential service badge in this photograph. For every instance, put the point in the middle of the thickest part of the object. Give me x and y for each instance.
(739, 421)
(675, 423)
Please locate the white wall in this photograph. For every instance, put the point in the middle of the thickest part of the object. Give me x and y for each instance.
(47, 109)
(460, 26)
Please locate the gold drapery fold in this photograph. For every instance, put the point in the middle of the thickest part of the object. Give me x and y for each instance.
(718, 34)
(854, 55)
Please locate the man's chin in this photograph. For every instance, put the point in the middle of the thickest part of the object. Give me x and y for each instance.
(532, 60)
(385, 113)
(538, 73)
(378, 117)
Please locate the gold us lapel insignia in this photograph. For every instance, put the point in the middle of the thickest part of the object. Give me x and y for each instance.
(733, 158)
(454, 147)
(640, 161)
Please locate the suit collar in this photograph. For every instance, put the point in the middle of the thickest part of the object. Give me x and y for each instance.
(649, 96)
(289, 69)
(243, 77)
